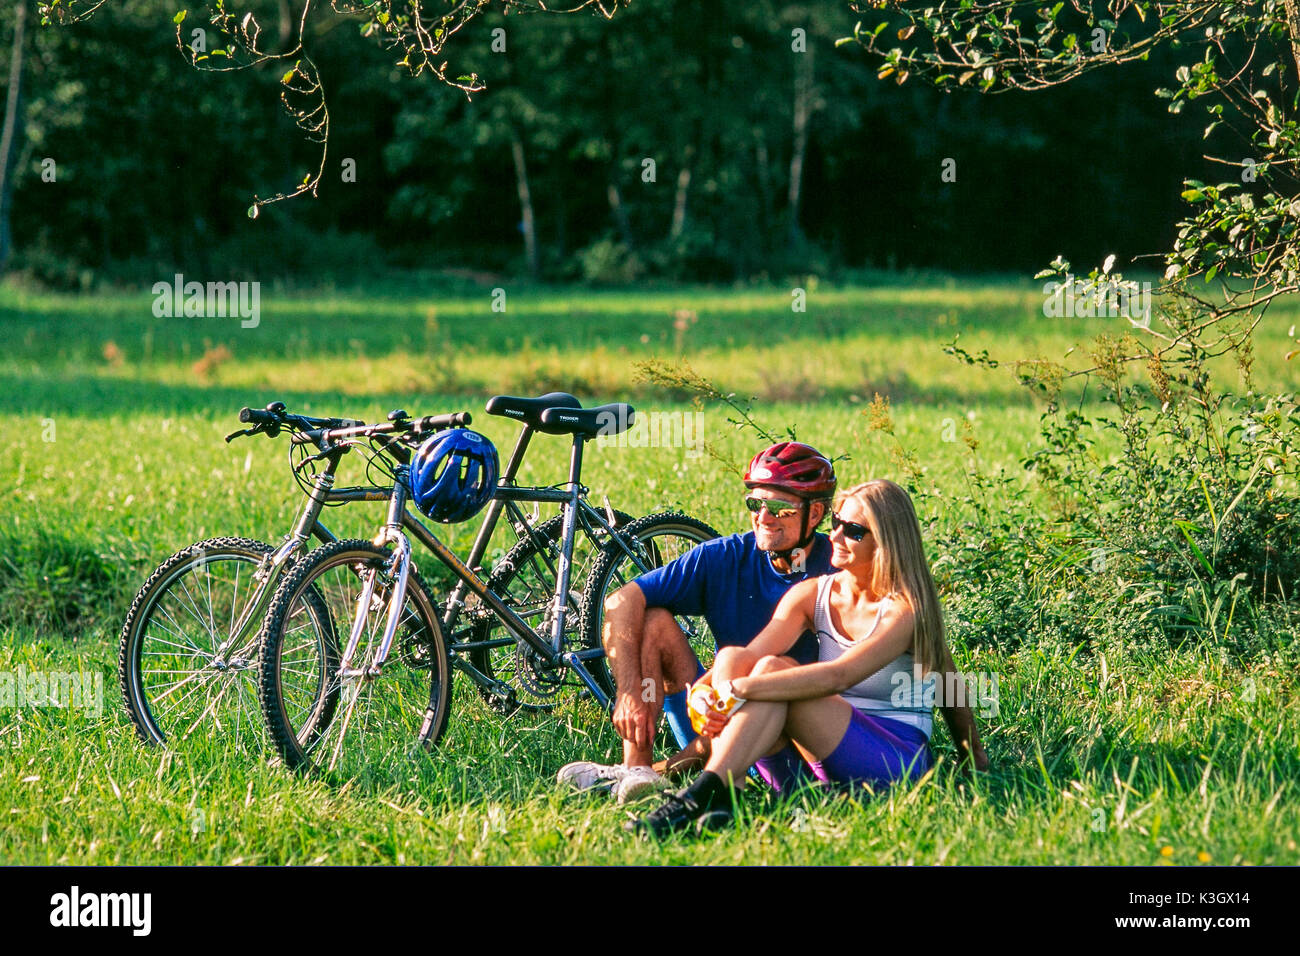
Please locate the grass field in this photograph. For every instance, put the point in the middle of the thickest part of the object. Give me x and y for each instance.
(114, 421)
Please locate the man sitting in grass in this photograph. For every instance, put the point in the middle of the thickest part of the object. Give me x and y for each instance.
(736, 583)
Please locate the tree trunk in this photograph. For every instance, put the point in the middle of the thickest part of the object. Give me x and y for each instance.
(803, 97)
(679, 203)
(12, 131)
(764, 188)
(1293, 28)
(619, 213)
(525, 204)
(286, 24)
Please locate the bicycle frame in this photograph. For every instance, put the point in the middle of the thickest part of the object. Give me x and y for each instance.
(571, 498)
(308, 525)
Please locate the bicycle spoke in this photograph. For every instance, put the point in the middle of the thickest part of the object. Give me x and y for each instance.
(211, 627)
(174, 684)
(182, 634)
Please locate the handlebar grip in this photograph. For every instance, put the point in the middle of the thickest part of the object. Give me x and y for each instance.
(437, 422)
(256, 416)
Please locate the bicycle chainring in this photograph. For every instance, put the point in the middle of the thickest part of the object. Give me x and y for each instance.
(414, 651)
(536, 677)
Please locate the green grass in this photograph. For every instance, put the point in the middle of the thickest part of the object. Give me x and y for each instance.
(1107, 754)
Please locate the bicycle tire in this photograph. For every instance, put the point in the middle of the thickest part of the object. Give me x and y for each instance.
(654, 535)
(169, 630)
(524, 579)
(313, 722)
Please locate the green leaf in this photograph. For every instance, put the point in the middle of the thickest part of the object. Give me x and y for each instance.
(252, 211)
(287, 76)
(180, 17)
(1186, 527)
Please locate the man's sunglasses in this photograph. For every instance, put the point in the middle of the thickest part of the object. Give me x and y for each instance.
(775, 507)
(852, 530)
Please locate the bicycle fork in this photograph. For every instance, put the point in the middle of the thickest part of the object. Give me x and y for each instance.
(398, 569)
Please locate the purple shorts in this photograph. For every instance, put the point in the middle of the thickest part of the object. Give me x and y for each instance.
(873, 750)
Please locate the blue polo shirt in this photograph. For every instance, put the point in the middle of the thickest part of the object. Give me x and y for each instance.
(731, 582)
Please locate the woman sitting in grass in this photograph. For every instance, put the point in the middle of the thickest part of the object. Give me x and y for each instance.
(862, 712)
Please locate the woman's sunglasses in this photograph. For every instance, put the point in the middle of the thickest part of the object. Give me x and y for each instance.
(775, 507)
(852, 530)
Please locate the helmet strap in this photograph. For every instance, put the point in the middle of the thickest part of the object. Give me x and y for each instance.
(805, 537)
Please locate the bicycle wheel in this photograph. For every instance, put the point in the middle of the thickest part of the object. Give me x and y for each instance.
(655, 539)
(172, 683)
(351, 726)
(525, 579)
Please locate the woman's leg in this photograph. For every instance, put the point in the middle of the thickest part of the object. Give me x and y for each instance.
(761, 727)
(871, 749)
(758, 729)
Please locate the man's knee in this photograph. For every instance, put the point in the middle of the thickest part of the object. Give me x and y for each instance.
(660, 626)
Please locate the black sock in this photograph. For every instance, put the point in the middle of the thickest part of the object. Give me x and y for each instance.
(709, 791)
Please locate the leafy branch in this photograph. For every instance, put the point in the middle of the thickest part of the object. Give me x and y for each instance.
(417, 29)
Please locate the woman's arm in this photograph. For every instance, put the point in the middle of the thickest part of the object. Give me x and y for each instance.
(793, 616)
(892, 637)
(961, 722)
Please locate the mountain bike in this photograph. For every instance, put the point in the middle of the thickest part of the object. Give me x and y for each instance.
(188, 644)
(336, 701)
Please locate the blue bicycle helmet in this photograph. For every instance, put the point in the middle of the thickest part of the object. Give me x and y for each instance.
(454, 475)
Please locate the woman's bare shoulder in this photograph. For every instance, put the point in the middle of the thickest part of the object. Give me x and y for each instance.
(896, 607)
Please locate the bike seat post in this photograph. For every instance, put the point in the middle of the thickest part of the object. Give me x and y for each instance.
(561, 601)
(575, 460)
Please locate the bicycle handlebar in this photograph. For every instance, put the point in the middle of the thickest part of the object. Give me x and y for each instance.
(429, 423)
(274, 415)
(325, 431)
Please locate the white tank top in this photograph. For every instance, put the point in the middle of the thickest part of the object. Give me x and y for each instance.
(893, 691)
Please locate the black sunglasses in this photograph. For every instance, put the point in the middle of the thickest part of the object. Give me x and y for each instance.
(852, 530)
(775, 507)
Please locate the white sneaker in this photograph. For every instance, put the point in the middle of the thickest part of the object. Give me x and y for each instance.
(638, 781)
(585, 775)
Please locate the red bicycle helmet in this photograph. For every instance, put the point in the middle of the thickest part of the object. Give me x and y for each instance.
(794, 467)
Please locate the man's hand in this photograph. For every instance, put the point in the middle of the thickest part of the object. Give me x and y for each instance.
(634, 719)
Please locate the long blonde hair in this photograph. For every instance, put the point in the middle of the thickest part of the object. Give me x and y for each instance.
(900, 566)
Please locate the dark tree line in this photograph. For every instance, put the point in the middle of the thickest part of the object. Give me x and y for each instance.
(695, 140)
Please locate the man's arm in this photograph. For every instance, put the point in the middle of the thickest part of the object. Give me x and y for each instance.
(623, 633)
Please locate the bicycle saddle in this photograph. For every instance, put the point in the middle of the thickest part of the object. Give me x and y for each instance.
(529, 410)
(601, 420)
